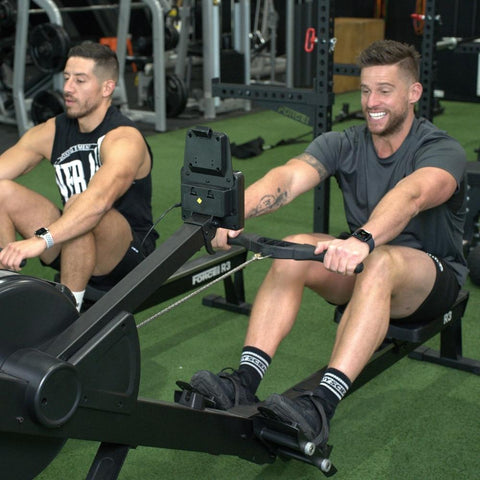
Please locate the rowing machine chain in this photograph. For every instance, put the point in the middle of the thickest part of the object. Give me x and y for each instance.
(255, 257)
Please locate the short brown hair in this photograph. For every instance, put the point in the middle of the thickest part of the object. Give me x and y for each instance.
(103, 56)
(390, 52)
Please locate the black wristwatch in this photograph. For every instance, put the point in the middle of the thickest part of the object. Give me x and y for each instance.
(46, 235)
(364, 236)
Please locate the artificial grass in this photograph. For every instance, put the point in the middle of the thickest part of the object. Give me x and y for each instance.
(414, 421)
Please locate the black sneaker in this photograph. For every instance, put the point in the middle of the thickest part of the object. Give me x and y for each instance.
(225, 389)
(306, 411)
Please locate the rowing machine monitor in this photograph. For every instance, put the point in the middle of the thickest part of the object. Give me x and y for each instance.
(209, 184)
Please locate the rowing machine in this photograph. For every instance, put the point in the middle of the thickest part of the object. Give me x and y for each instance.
(51, 388)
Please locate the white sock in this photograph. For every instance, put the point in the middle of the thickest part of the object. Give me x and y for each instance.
(79, 298)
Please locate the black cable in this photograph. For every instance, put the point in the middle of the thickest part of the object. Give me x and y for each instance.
(168, 210)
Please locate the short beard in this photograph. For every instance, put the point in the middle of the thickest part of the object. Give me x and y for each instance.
(82, 113)
(395, 125)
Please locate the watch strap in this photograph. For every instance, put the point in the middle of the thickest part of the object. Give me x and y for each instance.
(365, 237)
(46, 235)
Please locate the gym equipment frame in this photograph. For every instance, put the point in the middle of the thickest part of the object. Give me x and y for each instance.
(51, 388)
(157, 117)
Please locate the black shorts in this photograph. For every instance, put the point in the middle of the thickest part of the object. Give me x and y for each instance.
(442, 296)
(135, 254)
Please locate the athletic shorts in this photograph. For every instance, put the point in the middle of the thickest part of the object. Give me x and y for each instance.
(442, 296)
(135, 254)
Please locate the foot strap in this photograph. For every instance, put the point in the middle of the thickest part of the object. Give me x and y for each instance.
(322, 438)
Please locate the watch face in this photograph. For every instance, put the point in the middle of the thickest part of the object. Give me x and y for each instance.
(362, 235)
(41, 231)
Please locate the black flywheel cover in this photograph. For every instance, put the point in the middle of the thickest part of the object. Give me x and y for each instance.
(32, 313)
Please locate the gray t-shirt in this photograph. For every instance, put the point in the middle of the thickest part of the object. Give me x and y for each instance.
(364, 179)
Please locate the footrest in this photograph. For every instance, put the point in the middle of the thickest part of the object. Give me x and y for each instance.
(189, 397)
(287, 441)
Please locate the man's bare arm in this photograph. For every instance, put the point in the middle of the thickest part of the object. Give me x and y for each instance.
(35, 145)
(282, 184)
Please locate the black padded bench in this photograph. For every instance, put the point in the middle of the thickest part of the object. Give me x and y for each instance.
(408, 339)
(450, 328)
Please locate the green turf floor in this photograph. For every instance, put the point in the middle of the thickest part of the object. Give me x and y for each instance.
(414, 421)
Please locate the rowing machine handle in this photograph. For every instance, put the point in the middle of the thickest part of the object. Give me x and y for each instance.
(279, 248)
(22, 263)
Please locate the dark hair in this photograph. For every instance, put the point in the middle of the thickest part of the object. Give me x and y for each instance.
(103, 56)
(390, 52)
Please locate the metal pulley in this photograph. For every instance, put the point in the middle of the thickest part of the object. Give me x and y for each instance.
(46, 104)
(48, 46)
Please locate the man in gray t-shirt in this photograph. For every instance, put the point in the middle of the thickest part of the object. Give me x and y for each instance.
(364, 178)
(403, 186)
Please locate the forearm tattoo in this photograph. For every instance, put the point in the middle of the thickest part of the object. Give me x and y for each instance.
(316, 164)
(269, 203)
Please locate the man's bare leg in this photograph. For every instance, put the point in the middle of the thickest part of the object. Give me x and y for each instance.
(95, 253)
(278, 300)
(25, 211)
(395, 283)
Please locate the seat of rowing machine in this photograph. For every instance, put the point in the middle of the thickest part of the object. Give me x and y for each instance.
(419, 332)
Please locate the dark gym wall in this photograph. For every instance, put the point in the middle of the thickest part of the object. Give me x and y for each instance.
(461, 19)
(458, 18)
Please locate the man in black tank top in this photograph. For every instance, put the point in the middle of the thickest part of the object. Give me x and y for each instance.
(103, 171)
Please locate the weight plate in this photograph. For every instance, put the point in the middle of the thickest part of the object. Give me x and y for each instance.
(171, 37)
(49, 45)
(176, 95)
(34, 312)
(46, 104)
(7, 17)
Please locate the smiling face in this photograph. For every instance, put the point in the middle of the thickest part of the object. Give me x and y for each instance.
(388, 97)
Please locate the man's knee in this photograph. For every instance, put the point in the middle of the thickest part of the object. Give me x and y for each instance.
(8, 190)
(389, 264)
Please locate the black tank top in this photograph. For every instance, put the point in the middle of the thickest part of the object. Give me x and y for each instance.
(76, 158)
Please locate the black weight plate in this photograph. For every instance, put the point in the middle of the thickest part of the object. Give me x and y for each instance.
(46, 104)
(176, 94)
(49, 45)
(7, 17)
(171, 37)
(33, 313)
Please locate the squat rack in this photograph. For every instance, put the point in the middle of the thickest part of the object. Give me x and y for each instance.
(157, 117)
(311, 107)
(314, 107)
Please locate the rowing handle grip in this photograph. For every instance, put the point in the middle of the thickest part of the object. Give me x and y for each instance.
(22, 263)
(280, 248)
